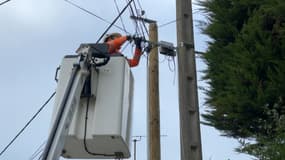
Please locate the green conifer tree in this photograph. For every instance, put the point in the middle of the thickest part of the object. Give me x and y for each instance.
(246, 72)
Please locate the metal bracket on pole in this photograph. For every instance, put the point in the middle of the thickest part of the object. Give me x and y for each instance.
(187, 45)
(143, 19)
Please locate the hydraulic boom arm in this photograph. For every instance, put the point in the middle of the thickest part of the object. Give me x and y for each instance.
(68, 103)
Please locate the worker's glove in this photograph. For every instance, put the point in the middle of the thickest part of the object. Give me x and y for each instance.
(138, 42)
(130, 38)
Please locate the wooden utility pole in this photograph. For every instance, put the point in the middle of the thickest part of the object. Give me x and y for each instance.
(190, 136)
(153, 112)
(153, 98)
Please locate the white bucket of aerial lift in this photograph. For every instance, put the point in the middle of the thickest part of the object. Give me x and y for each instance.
(110, 111)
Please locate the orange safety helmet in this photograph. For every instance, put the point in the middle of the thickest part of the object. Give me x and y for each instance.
(111, 36)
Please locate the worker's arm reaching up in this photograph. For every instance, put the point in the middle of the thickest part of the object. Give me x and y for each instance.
(137, 55)
(115, 41)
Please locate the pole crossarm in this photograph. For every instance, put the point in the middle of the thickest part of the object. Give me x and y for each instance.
(143, 19)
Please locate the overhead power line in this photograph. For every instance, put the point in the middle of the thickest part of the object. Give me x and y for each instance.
(38, 151)
(140, 15)
(139, 4)
(4, 2)
(22, 130)
(134, 21)
(168, 23)
(93, 14)
(173, 21)
(117, 7)
(138, 24)
(114, 21)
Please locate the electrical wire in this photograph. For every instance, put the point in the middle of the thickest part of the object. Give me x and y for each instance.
(40, 157)
(27, 124)
(93, 14)
(138, 27)
(114, 21)
(125, 46)
(174, 67)
(140, 23)
(143, 23)
(132, 13)
(139, 16)
(171, 59)
(4, 2)
(38, 151)
(139, 4)
(85, 133)
(168, 23)
(117, 7)
(163, 60)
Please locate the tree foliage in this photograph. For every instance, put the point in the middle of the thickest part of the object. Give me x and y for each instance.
(246, 69)
(268, 148)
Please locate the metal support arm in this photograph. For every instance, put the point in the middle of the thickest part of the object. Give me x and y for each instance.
(65, 113)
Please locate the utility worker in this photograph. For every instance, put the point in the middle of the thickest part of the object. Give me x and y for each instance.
(116, 40)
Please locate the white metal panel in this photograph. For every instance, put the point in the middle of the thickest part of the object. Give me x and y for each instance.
(110, 111)
(64, 75)
(109, 99)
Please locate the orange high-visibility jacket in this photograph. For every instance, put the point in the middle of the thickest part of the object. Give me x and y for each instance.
(114, 48)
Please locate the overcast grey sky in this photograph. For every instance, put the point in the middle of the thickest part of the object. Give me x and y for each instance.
(34, 37)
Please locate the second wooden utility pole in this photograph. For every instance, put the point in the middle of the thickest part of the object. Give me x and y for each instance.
(190, 137)
(153, 98)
